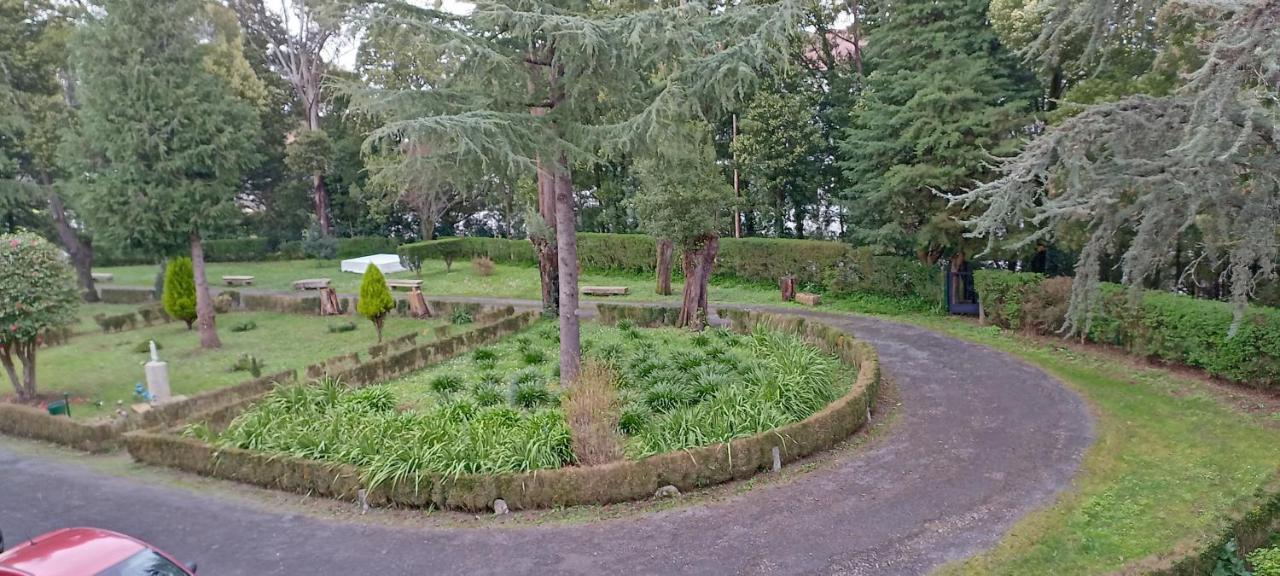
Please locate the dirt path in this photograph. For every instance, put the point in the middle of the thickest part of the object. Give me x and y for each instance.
(982, 439)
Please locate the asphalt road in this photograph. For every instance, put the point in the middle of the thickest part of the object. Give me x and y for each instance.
(981, 440)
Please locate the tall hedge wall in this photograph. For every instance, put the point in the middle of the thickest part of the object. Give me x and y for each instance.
(1169, 327)
(251, 250)
(834, 267)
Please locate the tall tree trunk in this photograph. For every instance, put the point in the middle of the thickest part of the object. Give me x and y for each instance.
(204, 302)
(697, 264)
(319, 195)
(27, 354)
(798, 215)
(665, 247)
(567, 247)
(426, 224)
(548, 259)
(81, 252)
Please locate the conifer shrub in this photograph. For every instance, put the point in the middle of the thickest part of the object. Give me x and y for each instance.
(375, 298)
(180, 291)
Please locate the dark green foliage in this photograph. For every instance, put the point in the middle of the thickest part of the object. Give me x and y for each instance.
(634, 418)
(484, 357)
(244, 326)
(318, 245)
(533, 357)
(247, 363)
(342, 327)
(160, 151)
(461, 316)
(237, 250)
(943, 95)
(180, 291)
(365, 246)
(1170, 327)
(1229, 561)
(531, 394)
(487, 393)
(446, 383)
(116, 322)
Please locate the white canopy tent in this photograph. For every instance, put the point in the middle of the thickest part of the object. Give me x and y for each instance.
(387, 263)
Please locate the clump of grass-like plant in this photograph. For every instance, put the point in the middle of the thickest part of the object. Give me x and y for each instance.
(591, 410)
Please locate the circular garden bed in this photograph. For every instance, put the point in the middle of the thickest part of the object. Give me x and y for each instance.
(656, 407)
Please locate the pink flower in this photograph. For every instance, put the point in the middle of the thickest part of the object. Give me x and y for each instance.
(13, 327)
(14, 243)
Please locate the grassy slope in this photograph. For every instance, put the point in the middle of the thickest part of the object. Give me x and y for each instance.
(105, 367)
(1169, 464)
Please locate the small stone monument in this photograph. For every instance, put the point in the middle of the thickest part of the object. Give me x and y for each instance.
(157, 377)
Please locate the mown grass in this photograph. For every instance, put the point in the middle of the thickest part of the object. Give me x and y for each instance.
(1170, 463)
(100, 369)
(506, 281)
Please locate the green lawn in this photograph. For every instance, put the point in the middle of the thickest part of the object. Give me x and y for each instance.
(104, 368)
(505, 282)
(1170, 463)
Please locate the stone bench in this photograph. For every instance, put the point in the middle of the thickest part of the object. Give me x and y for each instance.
(103, 277)
(809, 299)
(237, 280)
(404, 284)
(606, 290)
(311, 284)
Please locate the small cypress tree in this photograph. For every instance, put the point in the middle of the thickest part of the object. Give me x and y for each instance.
(375, 298)
(180, 291)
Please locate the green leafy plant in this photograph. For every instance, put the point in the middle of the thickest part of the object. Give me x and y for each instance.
(531, 395)
(244, 326)
(144, 347)
(180, 291)
(461, 316)
(446, 383)
(533, 356)
(1229, 562)
(484, 357)
(37, 294)
(375, 298)
(1265, 561)
(248, 363)
(342, 327)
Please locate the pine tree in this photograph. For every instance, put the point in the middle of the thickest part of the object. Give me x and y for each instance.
(161, 148)
(545, 84)
(941, 96)
(179, 296)
(375, 298)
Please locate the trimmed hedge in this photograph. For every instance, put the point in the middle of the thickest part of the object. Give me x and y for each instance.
(838, 268)
(252, 250)
(608, 483)
(125, 295)
(1169, 327)
(366, 245)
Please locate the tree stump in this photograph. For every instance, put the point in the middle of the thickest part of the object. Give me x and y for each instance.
(418, 304)
(788, 285)
(809, 299)
(329, 302)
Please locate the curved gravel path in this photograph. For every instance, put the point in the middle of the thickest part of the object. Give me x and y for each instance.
(982, 439)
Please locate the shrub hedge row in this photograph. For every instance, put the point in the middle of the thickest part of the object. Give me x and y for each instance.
(614, 482)
(834, 267)
(1169, 327)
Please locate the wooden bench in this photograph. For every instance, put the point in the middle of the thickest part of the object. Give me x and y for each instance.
(606, 290)
(311, 284)
(809, 299)
(103, 277)
(404, 284)
(237, 280)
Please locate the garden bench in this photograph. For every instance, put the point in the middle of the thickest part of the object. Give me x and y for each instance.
(606, 290)
(405, 284)
(237, 280)
(311, 284)
(103, 277)
(809, 299)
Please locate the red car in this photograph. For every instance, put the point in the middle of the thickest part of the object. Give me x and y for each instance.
(86, 552)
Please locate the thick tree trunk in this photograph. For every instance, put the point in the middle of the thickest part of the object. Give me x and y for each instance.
(697, 265)
(665, 248)
(427, 224)
(81, 252)
(321, 197)
(548, 259)
(204, 302)
(567, 246)
(27, 354)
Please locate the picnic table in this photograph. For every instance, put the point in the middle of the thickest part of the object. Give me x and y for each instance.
(311, 284)
(237, 280)
(605, 290)
(404, 284)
